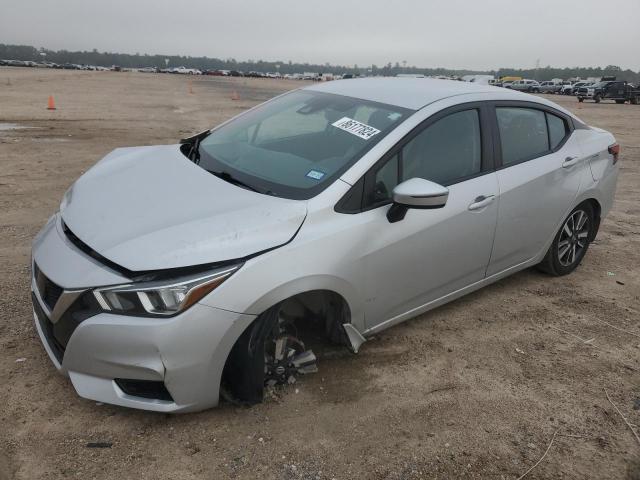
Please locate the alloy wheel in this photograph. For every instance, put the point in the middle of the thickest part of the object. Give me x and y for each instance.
(573, 238)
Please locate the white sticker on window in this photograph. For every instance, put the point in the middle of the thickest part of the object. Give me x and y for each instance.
(315, 174)
(356, 128)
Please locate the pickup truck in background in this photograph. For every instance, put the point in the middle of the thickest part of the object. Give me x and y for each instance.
(616, 90)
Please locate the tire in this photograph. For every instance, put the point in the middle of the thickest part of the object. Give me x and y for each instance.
(620, 102)
(634, 101)
(567, 251)
(580, 99)
(597, 99)
(244, 370)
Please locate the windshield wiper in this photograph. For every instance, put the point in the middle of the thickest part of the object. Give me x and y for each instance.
(227, 177)
(192, 150)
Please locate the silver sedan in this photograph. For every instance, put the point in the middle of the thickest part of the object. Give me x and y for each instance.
(175, 274)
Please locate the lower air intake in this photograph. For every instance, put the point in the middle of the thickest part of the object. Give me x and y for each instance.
(150, 389)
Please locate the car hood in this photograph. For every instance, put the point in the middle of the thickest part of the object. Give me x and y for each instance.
(150, 208)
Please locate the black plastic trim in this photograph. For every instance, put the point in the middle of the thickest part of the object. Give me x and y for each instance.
(150, 389)
(47, 329)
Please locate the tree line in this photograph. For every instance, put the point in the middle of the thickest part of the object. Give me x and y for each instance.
(126, 60)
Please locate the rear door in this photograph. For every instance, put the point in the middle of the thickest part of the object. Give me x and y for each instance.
(540, 165)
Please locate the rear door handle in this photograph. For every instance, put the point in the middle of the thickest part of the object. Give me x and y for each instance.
(481, 202)
(570, 162)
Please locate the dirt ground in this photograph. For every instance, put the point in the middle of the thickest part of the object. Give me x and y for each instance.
(475, 389)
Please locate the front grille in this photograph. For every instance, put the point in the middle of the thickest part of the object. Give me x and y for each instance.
(151, 389)
(84, 307)
(49, 291)
(47, 329)
(57, 334)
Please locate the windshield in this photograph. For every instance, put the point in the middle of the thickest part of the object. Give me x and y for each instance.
(298, 144)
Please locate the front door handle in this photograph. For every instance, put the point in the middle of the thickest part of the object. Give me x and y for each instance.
(481, 202)
(570, 162)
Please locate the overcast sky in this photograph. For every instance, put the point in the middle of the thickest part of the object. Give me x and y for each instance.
(475, 34)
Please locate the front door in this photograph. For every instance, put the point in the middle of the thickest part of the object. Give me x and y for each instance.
(430, 253)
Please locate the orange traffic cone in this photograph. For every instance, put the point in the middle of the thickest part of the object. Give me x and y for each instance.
(51, 104)
(235, 96)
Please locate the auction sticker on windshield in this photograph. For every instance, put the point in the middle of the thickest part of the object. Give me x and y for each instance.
(356, 128)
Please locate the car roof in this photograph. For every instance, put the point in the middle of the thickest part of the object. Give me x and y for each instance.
(412, 93)
(416, 93)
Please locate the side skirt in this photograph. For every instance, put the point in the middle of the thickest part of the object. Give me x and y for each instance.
(449, 297)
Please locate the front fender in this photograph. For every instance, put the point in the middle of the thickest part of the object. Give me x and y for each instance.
(238, 295)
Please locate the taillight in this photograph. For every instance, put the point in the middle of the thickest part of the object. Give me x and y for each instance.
(615, 151)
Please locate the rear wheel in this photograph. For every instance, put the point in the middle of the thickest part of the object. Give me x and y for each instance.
(619, 102)
(580, 99)
(570, 243)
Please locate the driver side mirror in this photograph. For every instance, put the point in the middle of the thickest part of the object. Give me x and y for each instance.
(416, 193)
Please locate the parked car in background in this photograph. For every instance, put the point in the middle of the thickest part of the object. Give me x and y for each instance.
(186, 71)
(526, 85)
(571, 88)
(351, 205)
(550, 87)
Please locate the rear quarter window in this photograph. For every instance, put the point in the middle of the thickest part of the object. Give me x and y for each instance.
(557, 130)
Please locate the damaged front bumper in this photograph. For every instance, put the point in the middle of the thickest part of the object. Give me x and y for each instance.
(163, 364)
(184, 354)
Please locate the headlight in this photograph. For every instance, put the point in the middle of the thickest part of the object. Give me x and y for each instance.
(160, 298)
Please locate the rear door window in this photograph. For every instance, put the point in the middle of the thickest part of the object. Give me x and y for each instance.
(523, 134)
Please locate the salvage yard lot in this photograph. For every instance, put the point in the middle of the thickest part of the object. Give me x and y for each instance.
(474, 389)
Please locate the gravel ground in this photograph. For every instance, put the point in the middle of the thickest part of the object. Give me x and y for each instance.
(475, 389)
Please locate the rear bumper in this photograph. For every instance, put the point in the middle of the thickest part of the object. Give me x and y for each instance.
(186, 353)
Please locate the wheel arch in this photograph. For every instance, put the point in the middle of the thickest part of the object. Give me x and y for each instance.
(328, 283)
(242, 364)
(597, 213)
(590, 197)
